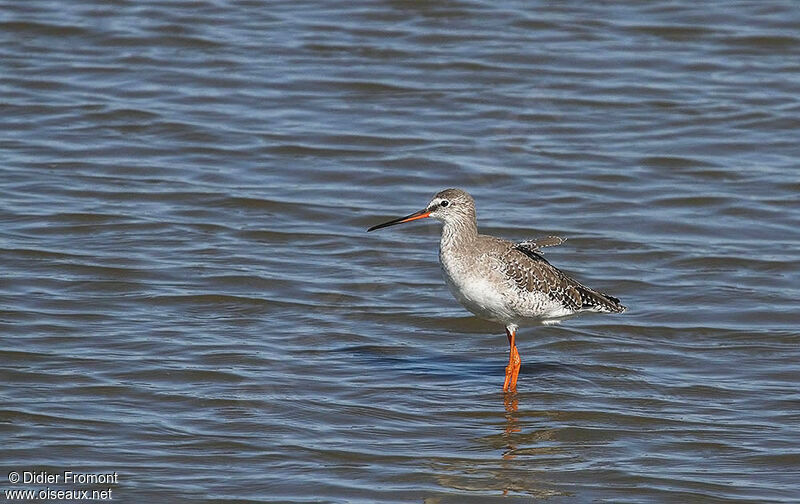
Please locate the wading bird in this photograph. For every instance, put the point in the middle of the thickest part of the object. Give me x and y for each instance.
(501, 281)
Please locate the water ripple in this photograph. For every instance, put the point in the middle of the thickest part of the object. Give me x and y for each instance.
(189, 290)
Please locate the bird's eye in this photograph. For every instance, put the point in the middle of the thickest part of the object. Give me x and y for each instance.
(444, 203)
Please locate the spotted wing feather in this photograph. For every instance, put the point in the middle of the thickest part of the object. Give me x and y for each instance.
(531, 272)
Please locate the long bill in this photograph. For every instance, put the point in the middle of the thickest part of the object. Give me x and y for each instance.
(408, 218)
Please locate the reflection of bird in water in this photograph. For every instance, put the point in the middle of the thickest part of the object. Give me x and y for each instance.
(501, 281)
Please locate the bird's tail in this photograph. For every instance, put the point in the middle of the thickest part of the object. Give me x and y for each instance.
(599, 301)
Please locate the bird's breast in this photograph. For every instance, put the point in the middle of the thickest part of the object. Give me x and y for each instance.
(475, 284)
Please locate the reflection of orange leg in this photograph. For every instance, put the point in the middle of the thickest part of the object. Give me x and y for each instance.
(512, 370)
(511, 403)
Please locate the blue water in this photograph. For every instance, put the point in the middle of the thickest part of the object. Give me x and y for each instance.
(189, 297)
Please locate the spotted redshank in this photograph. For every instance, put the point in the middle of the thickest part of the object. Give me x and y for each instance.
(501, 281)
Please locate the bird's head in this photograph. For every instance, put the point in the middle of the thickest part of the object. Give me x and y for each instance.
(448, 206)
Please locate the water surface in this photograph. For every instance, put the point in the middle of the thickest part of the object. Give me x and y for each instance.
(189, 296)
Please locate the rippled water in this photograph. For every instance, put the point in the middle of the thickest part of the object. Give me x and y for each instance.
(189, 298)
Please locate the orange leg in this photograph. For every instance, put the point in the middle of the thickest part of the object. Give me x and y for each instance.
(517, 365)
(514, 362)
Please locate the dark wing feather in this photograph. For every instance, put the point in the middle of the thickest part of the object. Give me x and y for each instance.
(540, 243)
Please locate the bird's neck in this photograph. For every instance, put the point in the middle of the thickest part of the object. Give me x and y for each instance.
(456, 234)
